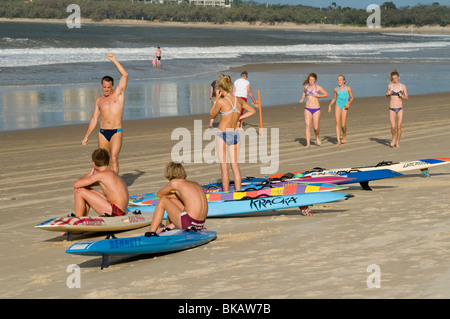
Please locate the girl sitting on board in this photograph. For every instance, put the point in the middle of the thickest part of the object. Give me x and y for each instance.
(312, 91)
(343, 96)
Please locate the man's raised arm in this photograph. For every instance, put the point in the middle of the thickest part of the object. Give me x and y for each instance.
(124, 74)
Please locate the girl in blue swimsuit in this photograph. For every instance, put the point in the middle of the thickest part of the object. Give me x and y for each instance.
(397, 92)
(343, 96)
(312, 92)
(229, 107)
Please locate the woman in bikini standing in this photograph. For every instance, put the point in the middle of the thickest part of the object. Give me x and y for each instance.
(312, 92)
(343, 96)
(397, 92)
(227, 138)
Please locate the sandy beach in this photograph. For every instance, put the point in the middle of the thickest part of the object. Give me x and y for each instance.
(402, 225)
(257, 25)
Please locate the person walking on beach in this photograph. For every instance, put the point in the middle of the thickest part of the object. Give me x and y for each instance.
(343, 96)
(397, 93)
(158, 57)
(183, 200)
(212, 96)
(109, 107)
(241, 88)
(114, 199)
(312, 91)
(229, 107)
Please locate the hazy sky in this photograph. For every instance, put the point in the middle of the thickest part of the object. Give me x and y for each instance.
(359, 4)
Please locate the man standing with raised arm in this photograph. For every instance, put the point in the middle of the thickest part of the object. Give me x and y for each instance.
(109, 107)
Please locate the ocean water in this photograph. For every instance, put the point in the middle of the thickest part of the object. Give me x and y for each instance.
(50, 74)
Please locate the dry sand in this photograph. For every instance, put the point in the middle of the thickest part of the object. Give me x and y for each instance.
(402, 226)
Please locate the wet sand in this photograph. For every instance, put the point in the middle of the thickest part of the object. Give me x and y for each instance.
(427, 29)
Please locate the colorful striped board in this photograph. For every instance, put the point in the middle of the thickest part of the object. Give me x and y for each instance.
(243, 206)
(146, 199)
(288, 188)
(255, 183)
(361, 177)
(132, 220)
(353, 176)
(170, 241)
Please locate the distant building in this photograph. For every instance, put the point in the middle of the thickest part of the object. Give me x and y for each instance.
(212, 3)
(206, 3)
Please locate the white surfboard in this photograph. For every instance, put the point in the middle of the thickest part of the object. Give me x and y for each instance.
(132, 220)
(400, 167)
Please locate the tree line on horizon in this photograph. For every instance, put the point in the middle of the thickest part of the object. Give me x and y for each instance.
(250, 12)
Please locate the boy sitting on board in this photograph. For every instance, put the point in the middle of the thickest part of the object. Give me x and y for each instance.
(184, 201)
(114, 199)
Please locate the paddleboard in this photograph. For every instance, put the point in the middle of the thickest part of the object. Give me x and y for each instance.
(256, 182)
(288, 188)
(361, 177)
(132, 220)
(399, 167)
(260, 184)
(174, 240)
(243, 206)
(423, 165)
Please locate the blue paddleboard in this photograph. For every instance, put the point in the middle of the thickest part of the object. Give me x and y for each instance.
(170, 241)
(243, 206)
(364, 177)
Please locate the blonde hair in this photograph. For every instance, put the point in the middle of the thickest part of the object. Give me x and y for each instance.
(393, 72)
(225, 83)
(175, 170)
(342, 76)
(307, 78)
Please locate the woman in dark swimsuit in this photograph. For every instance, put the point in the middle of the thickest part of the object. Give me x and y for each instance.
(312, 92)
(397, 92)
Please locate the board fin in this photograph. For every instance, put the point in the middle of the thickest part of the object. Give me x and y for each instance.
(425, 172)
(365, 186)
(105, 262)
